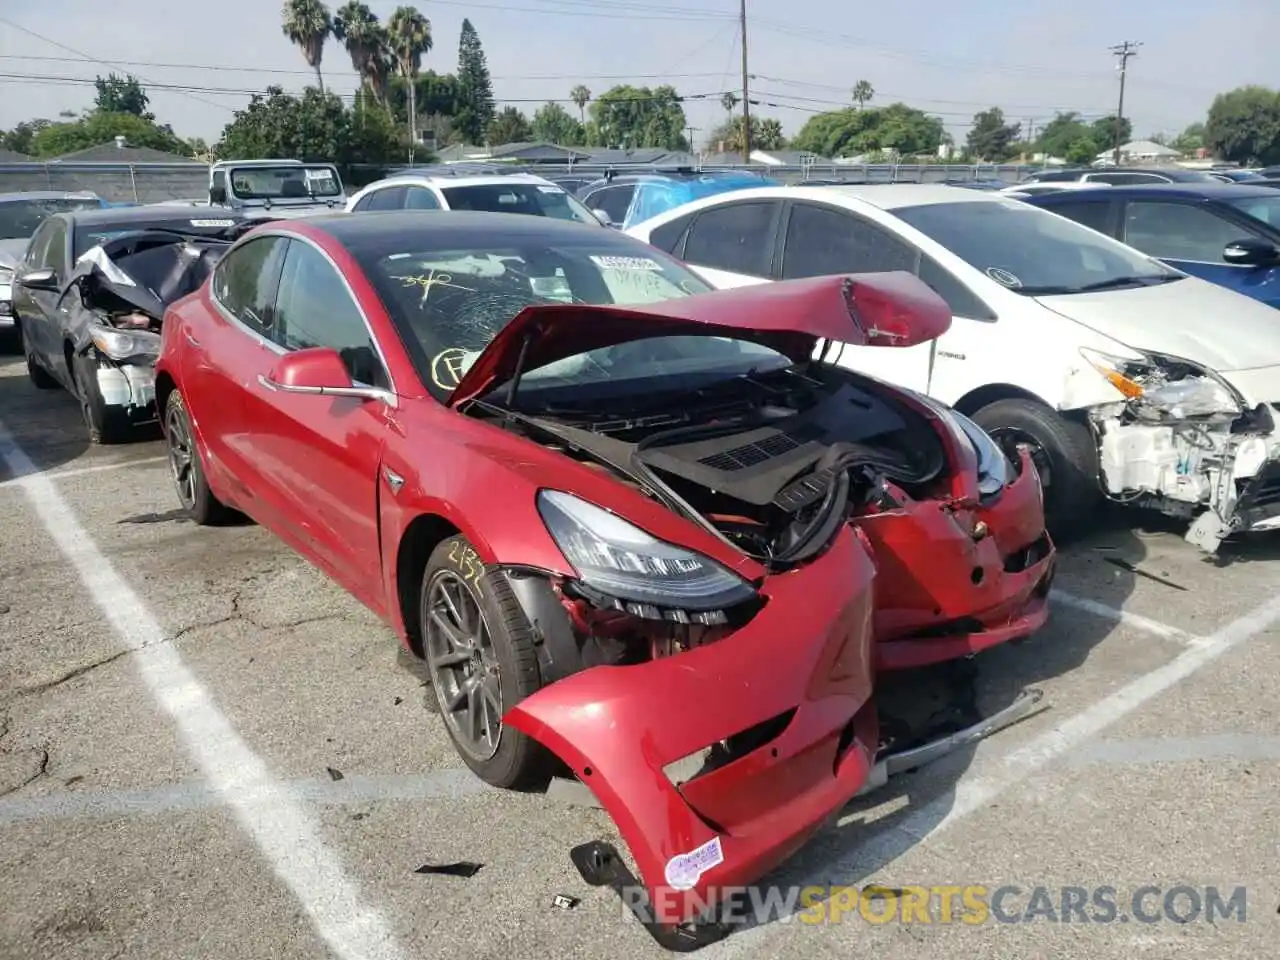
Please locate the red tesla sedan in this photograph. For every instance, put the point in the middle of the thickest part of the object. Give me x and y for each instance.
(624, 526)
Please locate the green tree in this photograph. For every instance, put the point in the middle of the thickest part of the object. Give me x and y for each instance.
(729, 100)
(509, 126)
(581, 96)
(122, 95)
(56, 139)
(852, 132)
(863, 92)
(357, 28)
(1189, 140)
(409, 37)
(552, 123)
(475, 111)
(1104, 133)
(434, 94)
(766, 134)
(990, 139)
(20, 138)
(1068, 137)
(307, 25)
(1243, 125)
(315, 126)
(629, 117)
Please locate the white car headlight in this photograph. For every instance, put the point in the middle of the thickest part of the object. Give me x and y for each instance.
(6, 275)
(622, 561)
(123, 344)
(1151, 383)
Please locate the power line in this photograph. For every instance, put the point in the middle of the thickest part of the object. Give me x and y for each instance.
(1122, 53)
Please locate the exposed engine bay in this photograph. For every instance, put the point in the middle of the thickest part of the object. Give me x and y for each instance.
(771, 462)
(1183, 442)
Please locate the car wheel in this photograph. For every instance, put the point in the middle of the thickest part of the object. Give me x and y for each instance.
(187, 468)
(1064, 452)
(41, 378)
(106, 425)
(479, 649)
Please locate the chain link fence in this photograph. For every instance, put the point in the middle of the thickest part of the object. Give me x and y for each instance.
(159, 182)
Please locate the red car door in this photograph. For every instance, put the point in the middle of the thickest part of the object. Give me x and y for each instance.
(318, 457)
(225, 351)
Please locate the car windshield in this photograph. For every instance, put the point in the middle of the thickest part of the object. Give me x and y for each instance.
(89, 236)
(19, 219)
(285, 182)
(1266, 209)
(449, 302)
(538, 199)
(1031, 251)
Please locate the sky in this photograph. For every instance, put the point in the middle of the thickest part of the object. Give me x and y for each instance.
(1031, 58)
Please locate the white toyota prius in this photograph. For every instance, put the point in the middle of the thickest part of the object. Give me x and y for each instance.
(1125, 377)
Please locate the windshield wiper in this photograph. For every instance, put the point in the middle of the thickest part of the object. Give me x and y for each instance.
(1111, 283)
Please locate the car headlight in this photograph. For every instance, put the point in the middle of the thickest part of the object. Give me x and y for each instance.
(1166, 386)
(994, 468)
(123, 344)
(619, 559)
(6, 275)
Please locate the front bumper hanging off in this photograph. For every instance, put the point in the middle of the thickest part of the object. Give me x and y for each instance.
(600, 864)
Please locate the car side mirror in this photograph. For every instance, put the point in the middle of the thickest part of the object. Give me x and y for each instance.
(218, 195)
(42, 279)
(1250, 252)
(603, 217)
(320, 371)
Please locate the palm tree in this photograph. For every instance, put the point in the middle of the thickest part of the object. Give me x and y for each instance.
(580, 95)
(307, 25)
(357, 28)
(409, 37)
(729, 101)
(862, 93)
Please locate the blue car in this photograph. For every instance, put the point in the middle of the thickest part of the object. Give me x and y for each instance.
(630, 198)
(1226, 233)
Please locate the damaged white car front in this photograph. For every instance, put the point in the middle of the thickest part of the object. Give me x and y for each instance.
(1181, 439)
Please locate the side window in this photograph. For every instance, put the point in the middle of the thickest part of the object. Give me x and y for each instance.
(1179, 231)
(54, 254)
(390, 198)
(420, 198)
(244, 281)
(667, 237)
(39, 245)
(962, 301)
(315, 309)
(737, 237)
(612, 200)
(1094, 214)
(824, 240)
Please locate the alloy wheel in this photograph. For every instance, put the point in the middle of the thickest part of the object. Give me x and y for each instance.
(1010, 439)
(463, 665)
(181, 457)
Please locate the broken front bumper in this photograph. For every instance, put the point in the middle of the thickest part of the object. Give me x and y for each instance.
(795, 684)
(128, 386)
(1245, 497)
(951, 583)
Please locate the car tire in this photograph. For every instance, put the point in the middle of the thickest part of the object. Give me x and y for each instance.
(1067, 448)
(105, 424)
(187, 467)
(40, 378)
(501, 648)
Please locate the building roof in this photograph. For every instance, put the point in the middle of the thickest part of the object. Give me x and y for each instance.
(1142, 148)
(114, 152)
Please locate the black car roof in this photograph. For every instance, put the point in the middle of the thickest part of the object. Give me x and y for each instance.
(354, 230)
(141, 216)
(1215, 190)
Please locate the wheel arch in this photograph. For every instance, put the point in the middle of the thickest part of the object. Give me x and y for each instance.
(165, 385)
(421, 536)
(989, 393)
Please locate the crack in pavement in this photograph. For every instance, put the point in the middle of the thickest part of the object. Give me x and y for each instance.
(41, 770)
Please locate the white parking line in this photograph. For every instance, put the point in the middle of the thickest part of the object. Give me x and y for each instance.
(986, 780)
(17, 481)
(273, 815)
(1134, 620)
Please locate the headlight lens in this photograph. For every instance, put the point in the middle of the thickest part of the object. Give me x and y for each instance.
(121, 344)
(619, 559)
(1196, 393)
(6, 275)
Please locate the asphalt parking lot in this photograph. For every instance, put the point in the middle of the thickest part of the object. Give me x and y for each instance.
(209, 750)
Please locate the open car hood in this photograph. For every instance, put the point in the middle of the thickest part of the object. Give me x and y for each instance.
(882, 309)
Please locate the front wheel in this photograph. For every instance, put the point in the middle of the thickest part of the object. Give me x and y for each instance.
(480, 654)
(1064, 452)
(186, 466)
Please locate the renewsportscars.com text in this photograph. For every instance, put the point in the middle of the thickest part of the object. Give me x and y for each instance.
(969, 904)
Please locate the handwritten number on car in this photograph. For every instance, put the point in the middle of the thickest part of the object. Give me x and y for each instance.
(467, 563)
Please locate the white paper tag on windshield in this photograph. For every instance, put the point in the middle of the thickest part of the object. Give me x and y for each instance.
(213, 223)
(318, 174)
(550, 190)
(684, 871)
(627, 263)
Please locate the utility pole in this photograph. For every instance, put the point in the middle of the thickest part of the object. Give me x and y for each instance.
(692, 130)
(1122, 53)
(746, 97)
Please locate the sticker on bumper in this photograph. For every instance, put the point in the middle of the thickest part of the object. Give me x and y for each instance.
(684, 871)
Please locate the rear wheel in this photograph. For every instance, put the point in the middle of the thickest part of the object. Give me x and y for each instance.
(479, 649)
(1064, 453)
(187, 468)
